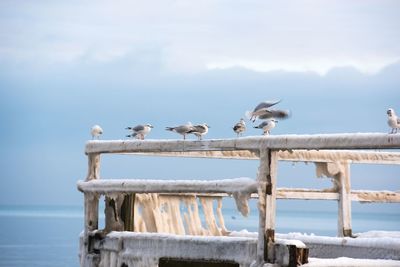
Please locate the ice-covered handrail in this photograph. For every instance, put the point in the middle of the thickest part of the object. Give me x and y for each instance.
(229, 186)
(276, 142)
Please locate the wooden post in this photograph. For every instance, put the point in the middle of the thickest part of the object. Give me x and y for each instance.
(91, 212)
(266, 200)
(271, 205)
(127, 212)
(344, 203)
(94, 166)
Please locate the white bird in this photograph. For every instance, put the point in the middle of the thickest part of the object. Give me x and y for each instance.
(182, 129)
(393, 120)
(139, 131)
(96, 131)
(199, 130)
(267, 126)
(263, 111)
(240, 127)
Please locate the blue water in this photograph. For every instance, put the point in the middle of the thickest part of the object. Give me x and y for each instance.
(49, 236)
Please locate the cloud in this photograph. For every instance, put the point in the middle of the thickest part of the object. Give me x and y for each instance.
(194, 37)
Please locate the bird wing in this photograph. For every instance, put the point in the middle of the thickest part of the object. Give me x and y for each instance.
(266, 104)
(279, 114)
(198, 129)
(138, 128)
(398, 120)
(263, 124)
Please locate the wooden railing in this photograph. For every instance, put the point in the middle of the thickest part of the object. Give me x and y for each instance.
(332, 154)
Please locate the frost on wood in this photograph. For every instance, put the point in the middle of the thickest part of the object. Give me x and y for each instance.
(178, 215)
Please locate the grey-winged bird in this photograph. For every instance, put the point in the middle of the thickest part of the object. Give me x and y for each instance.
(139, 131)
(239, 127)
(199, 130)
(393, 120)
(267, 126)
(96, 131)
(263, 111)
(182, 129)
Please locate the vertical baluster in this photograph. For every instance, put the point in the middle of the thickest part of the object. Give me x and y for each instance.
(344, 202)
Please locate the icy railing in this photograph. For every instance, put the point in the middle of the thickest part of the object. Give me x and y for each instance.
(332, 154)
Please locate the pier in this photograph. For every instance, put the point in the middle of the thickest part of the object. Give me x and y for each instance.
(133, 237)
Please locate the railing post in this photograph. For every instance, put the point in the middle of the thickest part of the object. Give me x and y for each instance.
(266, 204)
(344, 202)
(93, 166)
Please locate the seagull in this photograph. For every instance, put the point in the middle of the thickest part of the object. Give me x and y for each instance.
(139, 131)
(240, 127)
(393, 120)
(263, 112)
(182, 129)
(96, 131)
(267, 126)
(199, 130)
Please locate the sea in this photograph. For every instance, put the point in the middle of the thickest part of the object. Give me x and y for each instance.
(48, 236)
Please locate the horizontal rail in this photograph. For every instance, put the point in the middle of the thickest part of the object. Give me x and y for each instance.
(276, 142)
(224, 188)
(352, 156)
(229, 186)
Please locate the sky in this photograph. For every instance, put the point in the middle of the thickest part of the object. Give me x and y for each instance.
(67, 65)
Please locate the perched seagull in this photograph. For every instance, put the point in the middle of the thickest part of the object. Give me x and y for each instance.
(267, 126)
(96, 131)
(239, 127)
(263, 111)
(182, 129)
(199, 130)
(139, 131)
(393, 120)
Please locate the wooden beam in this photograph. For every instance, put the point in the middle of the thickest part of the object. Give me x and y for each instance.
(229, 186)
(276, 142)
(375, 196)
(355, 156)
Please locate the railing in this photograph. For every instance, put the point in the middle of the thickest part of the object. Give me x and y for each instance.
(332, 154)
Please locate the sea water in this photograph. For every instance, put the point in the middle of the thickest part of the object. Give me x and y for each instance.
(41, 236)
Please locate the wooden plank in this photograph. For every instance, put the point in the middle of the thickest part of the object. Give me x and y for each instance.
(276, 142)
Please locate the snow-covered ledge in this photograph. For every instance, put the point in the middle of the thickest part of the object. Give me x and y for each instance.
(276, 142)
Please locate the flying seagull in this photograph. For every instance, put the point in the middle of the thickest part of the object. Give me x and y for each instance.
(267, 126)
(182, 129)
(139, 131)
(199, 130)
(263, 111)
(96, 131)
(239, 127)
(393, 120)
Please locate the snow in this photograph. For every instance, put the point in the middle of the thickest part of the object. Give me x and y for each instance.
(145, 249)
(350, 262)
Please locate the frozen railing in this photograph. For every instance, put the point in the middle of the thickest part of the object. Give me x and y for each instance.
(332, 153)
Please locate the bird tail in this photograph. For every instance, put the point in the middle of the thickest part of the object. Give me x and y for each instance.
(128, 128)
(169, 128)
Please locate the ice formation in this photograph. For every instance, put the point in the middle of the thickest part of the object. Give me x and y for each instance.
(178, 215)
